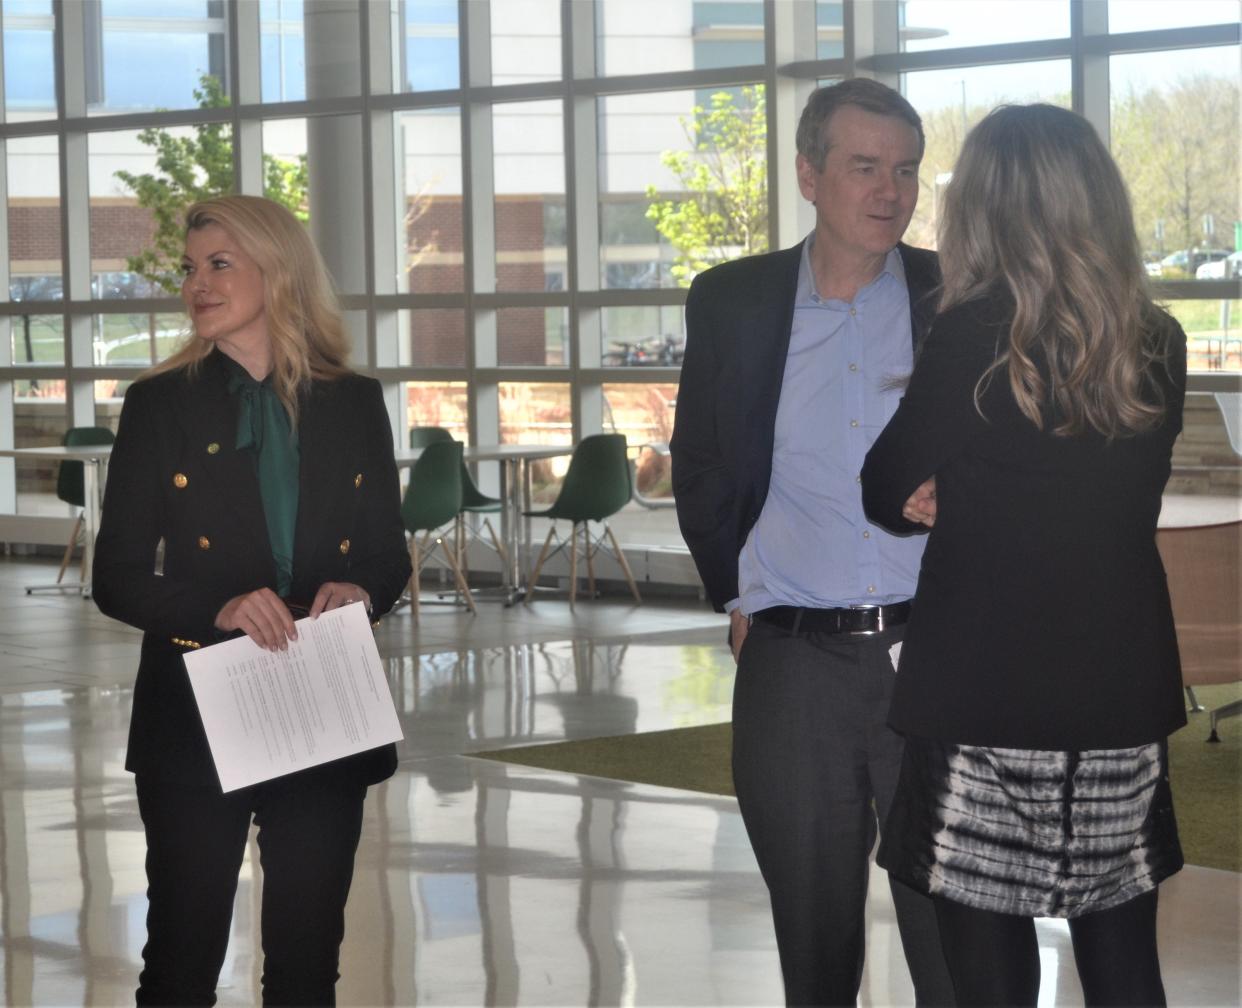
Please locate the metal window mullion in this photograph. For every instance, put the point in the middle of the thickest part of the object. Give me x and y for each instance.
(245, 92)
(1089, 68)
(383, 203)
(874, 29)
(791, 36)
(478, 219)
(69, 37)
(582, 191)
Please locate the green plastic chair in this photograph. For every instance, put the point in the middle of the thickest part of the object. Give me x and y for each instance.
(597, 486)
(432, 501)
(71, 484)
(473, 500)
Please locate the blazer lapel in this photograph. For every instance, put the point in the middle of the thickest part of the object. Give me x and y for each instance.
(318, 445)
(212, 426)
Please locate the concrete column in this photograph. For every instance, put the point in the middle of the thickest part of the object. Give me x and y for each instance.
(334, 143)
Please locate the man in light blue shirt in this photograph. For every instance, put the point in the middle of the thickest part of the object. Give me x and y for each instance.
(794, 363)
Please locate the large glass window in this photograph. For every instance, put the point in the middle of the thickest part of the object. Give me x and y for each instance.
(431, 255)
(133, 253)
(153, 53)
(35, 257)
(438, 404)
(38, 339)
(532, 336)
(526, 41)
(953, 24)
(429, 48)
(515, 235)
(683, 180)
(642, 336)
(643, 412)
(950, 102)
(283, 50)
(433, 337)
(29, 83)
(530, 197)
(137, 338)
(1174, 118)
(1146, 15)
(535, 413)
(40, 420)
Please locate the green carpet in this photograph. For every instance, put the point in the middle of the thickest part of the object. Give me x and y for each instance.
(1205, 777)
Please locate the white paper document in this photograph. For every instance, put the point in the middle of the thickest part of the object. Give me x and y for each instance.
(270, 713)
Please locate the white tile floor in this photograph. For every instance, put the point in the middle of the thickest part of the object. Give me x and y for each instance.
(477, 883)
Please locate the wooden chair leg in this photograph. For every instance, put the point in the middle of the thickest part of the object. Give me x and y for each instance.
(73, 541)
(415, 575)
(500, 549)
(625, 567)
(590, 553)
(457, 575)
(534, 574)
(573, 564)
(461, 542)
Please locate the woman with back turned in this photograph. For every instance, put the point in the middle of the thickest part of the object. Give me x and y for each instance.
(1039, 677)
(265, 466)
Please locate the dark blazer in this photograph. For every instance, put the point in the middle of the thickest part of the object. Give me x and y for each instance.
(1042, 616)
(174, 476)
(738, 320)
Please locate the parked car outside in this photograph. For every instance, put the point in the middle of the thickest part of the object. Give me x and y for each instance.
(1184, 262)
(1221, 269)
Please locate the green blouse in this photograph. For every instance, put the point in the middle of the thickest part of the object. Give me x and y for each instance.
(263, 427)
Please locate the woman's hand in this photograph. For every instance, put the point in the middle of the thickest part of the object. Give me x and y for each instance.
(262, 616)
(334, 594)
(739, 627)
(921, 507)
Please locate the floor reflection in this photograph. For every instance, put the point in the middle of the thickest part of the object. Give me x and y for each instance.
(469, 701)
(477, 883)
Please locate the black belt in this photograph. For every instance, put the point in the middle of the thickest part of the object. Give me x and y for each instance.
(854, 620)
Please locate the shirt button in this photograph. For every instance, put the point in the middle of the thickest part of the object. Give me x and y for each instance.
(853, 423)
(870, 589)
(180, 481)
(204, 543)
(853, 311)
(344, 547)
(853, 367)
(866, 535)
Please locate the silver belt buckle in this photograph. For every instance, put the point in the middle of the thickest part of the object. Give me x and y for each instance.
(879, 621)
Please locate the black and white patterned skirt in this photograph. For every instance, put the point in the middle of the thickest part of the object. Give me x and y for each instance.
(1032, 832)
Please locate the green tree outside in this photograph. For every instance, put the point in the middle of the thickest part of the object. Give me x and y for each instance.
(722, 212)
(1178, 151)
(1177, 148)
(190, 168)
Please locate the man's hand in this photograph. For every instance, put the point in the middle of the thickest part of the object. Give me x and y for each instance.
(739, 626)
(262, 616)
(921, 507)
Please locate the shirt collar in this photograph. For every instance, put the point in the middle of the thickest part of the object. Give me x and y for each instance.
(807, 295)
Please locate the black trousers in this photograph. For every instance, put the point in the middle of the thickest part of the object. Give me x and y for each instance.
(814, 762)
(308, 824)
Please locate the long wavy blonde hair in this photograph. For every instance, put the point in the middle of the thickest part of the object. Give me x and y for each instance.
(304, 323)
(1037, 206)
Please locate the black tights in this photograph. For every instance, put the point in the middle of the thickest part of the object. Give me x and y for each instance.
(994, 958)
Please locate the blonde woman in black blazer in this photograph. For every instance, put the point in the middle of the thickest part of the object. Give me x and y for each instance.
(1039, 675)
(265, 468)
